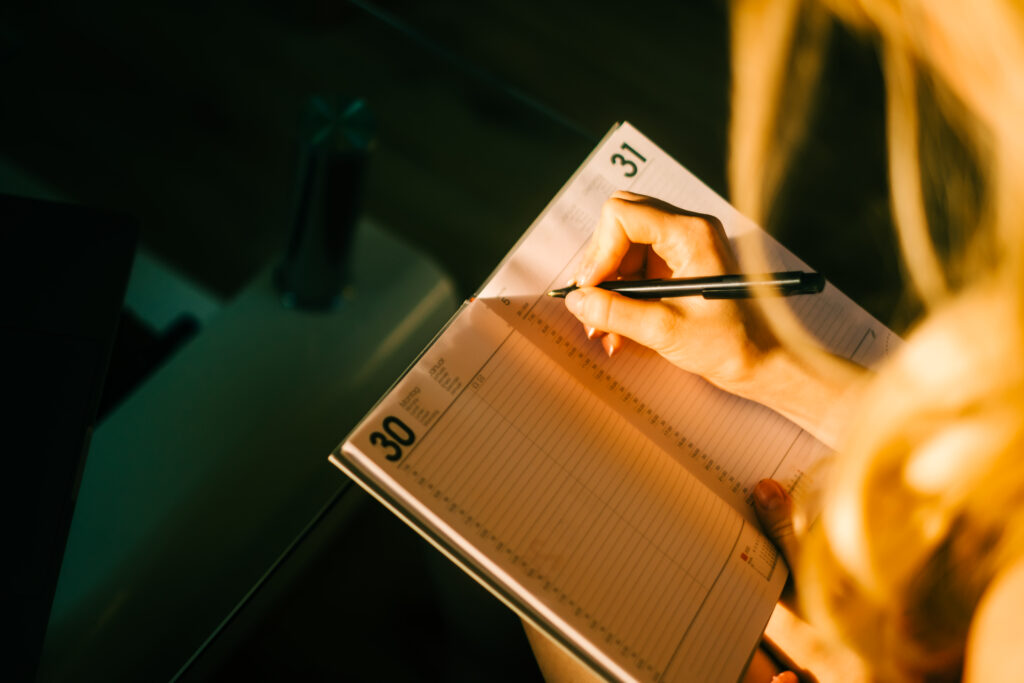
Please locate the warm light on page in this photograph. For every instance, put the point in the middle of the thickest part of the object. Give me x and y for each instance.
(604, 499)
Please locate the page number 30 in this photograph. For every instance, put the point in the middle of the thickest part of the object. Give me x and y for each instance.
(395, 435)
(629, 160)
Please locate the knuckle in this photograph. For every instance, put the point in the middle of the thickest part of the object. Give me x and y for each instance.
(662, 325)
(627, 196)
(701, 233)
(781, 528)
(612, 206)
(597, 309)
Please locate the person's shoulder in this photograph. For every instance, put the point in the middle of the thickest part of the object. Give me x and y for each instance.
(994, 651)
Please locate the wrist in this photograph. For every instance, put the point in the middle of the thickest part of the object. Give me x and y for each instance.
(815, 391)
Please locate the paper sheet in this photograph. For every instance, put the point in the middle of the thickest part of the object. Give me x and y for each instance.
(584, 517)
(728, 442)
(552, 473)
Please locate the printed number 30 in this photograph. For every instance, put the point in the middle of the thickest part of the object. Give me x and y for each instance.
(620, 160)
(400, 435)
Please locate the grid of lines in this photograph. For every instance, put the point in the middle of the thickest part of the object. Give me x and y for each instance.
(580, 506)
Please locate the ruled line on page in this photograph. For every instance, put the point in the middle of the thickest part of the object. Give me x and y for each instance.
(583, 507)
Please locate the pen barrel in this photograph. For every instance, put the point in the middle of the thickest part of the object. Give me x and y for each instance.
(721, 286)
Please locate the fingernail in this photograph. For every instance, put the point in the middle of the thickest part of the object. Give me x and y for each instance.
(591, 331)
(574, 302)
(610, 347)
(584, 274)
(768, 495)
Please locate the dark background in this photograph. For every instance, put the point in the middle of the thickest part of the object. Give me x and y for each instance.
(184, 115)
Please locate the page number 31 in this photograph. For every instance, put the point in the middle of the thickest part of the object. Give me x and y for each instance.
(629, 160)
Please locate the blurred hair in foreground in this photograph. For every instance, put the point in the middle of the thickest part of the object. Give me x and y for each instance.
(925, 506)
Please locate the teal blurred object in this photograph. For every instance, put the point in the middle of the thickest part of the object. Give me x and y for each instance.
(198, 481)
(337, 134)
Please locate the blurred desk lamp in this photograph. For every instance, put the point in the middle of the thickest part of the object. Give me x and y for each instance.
(337, 135)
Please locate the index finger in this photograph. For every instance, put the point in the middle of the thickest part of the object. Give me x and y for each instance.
(628, 218)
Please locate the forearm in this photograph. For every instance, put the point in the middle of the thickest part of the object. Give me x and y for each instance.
(557, 665)
(818, 401)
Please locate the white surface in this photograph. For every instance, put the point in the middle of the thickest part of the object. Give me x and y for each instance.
(158, 294)
(196, 483)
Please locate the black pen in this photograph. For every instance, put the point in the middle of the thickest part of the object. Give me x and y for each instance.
(714, 287)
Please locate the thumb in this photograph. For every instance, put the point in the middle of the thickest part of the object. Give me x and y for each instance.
(786, 677)
(650, 323)
(774, 509)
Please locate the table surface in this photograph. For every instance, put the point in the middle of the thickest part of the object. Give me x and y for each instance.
(200, 479)
(187, 118)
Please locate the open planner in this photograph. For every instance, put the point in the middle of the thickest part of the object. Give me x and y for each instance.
(605, 500)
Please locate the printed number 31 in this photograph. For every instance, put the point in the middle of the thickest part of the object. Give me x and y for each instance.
(400, 435)
(628, 165)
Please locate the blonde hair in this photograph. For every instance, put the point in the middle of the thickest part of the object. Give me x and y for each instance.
(926, 505)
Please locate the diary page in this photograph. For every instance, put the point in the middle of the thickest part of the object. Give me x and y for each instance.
(605, 499)
(568, 510)
(728, 442)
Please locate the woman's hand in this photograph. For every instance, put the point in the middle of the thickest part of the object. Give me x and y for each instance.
(640, 237)
(788, 639)
(724, 341)
(774, 509)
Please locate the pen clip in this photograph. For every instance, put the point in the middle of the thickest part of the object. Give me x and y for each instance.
(727, 293)
(809, 283)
